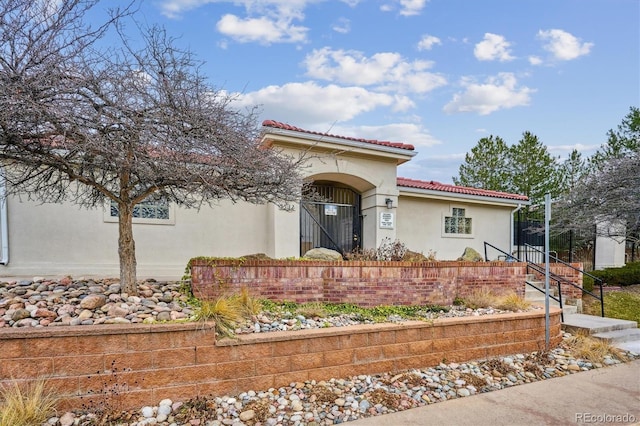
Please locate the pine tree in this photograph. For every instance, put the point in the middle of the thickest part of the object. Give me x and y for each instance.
(486, 166)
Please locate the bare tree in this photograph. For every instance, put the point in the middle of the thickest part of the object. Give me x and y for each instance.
(607, 201)
(120, 126)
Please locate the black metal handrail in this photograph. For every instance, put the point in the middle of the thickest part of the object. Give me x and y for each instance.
(555, 259)
(508, 258)
(558, 279)
(512, 258)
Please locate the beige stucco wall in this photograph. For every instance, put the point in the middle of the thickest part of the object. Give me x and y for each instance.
(59, 239)
(420, 225)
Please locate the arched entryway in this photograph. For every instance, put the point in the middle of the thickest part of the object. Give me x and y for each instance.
(330, 217)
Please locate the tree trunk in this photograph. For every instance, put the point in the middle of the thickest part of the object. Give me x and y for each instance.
(127, 250)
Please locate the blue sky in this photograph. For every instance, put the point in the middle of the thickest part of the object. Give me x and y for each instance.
(439, 74)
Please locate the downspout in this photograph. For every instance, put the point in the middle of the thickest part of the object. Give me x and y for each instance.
(511, 231)
(4, 224)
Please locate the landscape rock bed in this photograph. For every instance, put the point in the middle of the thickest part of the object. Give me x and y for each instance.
(341, 400)
(41, 302)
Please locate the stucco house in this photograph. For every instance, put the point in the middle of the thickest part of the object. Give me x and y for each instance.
(358, 201)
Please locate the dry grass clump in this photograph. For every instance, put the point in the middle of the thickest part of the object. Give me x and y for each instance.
(480, 298)
(225, 311)
(229, 311)
(26, 403)
(592, 349)
(249, 304)
(485, 298)
(512, 302)
(474, 380)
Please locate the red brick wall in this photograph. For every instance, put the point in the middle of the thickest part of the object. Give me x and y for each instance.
(362, 283)
(568, 274)
(182, 361)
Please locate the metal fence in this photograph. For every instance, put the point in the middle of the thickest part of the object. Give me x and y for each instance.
(567, 245)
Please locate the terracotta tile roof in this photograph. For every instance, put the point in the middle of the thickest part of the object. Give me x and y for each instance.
(437, 186)
(284, 126)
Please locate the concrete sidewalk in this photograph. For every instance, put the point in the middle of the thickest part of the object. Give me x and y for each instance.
(605, 396)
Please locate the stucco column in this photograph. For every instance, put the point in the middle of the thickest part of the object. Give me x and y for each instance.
(375, 226)
(283, 232)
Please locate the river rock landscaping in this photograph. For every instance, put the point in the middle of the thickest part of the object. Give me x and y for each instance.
(339, 400)
(43, 302)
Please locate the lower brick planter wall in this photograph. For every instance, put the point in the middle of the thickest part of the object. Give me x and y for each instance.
(181, 361)
(361, 283)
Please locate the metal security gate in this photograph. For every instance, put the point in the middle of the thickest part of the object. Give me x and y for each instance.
(330, 217)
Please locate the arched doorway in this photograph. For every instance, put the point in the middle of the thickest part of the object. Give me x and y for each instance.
(330, 217)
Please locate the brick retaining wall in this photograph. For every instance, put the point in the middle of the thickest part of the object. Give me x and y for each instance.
(361, 283)
(570, 274)
(182, 361)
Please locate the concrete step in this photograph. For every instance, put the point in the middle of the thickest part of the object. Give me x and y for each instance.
(619, 336)
(589, 324)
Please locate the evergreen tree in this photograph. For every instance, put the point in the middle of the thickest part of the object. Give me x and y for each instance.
(621, 142)
(534, 172)
(486, 166)
(572, 170)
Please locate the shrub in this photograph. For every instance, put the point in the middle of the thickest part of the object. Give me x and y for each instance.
(626, 275)
(107, 404)
(587, 283)
(480, 298)
(249, 304)
(592, 349)
(512, 302)
(391, 250)
(387, 251)
(226, 311)
(26, 403)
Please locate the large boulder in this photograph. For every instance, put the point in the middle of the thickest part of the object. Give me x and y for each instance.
(470, 255)
(322, 253)
(413, 256)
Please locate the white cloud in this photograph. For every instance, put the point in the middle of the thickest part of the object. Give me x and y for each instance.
(493, 47)
(427, 42)
(535, 60)
(411, 7)
(386, 71)
(342, 26)
(266, 21)
(407, 7)
(410, 133)
(440, 168)
(308, 103)
(262, 30)
(563, 45)
(175, 8)
(498, 92)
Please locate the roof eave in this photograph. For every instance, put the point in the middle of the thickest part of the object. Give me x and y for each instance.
(404, 154)
(444, 195)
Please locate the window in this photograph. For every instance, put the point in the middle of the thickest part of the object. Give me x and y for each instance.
(146, 210)
(457, 223)
(149, 211)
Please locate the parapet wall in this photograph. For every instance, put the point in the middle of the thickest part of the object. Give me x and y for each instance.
(182, 361)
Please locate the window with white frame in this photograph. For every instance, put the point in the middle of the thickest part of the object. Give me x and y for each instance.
(458, 222)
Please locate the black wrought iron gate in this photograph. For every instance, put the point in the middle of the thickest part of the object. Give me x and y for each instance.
(330, 217)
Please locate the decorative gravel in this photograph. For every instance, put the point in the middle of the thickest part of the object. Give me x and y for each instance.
(83, 302)
(340, 400)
